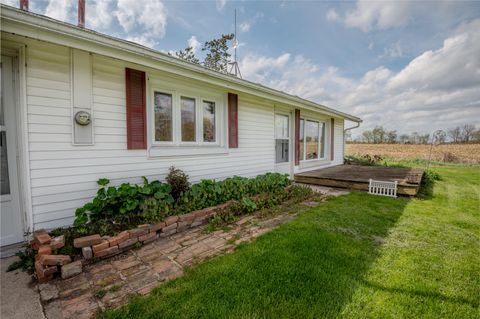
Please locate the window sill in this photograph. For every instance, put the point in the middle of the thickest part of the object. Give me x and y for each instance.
(184, 150)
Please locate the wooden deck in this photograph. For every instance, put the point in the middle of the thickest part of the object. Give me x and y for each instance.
(357, 177)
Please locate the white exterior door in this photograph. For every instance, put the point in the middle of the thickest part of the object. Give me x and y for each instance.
(11, 218)
(283, 143)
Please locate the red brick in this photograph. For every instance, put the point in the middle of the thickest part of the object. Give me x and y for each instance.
(114, 241)
(87, 241)
(137, 232)
(186, 218)
(54, 260)
(128, 243)
(170, 220)
(183, 226)
(39, 232)
(148, 237)
(42, 238)
(44, 250)
(157, 227)
(203, 212)
(57, 242)
(143, 226)
(42, 276)
(34, 244)
(110, 251)
(99, 247)
(71, 269)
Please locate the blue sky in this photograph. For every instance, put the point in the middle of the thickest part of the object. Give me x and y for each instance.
(409, 66)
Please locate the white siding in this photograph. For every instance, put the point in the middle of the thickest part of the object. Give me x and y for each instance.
(63, 176)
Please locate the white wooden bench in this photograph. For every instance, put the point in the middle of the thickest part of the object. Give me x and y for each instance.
(382, 188)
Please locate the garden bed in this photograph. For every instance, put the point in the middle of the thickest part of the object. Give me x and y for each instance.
(129, 216)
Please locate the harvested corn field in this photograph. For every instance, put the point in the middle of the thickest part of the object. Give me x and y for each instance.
(448, 153)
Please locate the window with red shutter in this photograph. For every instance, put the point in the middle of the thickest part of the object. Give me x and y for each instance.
(136, 109)
(232, 120)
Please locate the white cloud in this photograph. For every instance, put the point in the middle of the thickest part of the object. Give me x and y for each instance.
(148, 18)
(98, 14)
(220, 4)
(436, 90)
(63, 10)
(370, 46)
(393, 51)
(245, 27)
(194, 43)
(332, 15)
(12, 3)
(375, 15)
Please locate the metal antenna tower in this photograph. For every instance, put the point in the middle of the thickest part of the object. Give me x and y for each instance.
(235, 69)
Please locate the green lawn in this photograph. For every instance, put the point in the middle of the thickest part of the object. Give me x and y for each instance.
(356, 256)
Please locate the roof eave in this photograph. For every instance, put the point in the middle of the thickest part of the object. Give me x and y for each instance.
(52, 25)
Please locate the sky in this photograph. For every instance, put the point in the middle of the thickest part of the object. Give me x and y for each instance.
(406, 65)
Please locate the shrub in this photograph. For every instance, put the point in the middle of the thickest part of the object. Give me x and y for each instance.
(178, 180)
(210, 193)
(366, 159)
(123, 202)
(154, 201)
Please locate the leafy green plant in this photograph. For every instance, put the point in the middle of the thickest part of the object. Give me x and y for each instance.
(426, 185)
(26, 262)
(123, 202)
(178, 180)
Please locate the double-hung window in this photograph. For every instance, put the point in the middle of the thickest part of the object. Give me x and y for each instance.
(163, 117)
(185, 119)
(282, 138)
(312, 140)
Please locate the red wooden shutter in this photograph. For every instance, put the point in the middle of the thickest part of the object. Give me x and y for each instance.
(232, 120)
(297, 137)
(332, 139)
(136, 109)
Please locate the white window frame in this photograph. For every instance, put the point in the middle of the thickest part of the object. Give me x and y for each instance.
(177, 147)
(152, 106)
(217, 125)
(289, 137)
(305, 119)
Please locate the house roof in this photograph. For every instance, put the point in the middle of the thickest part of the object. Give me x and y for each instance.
(40, 27)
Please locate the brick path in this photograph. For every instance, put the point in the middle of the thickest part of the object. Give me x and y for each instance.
(109, 283)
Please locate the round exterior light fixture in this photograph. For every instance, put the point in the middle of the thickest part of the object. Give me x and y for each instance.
(82, 118)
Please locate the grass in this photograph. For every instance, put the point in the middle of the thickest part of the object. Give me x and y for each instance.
(356, 256)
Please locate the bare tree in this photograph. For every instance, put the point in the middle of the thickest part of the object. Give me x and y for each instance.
(467, 132)
(423, 138)
(404, 139)
(455, 134)
(441, 136)
(348, 136)
(367, 136)
(476, 136)
(392, 137)
(378, 134)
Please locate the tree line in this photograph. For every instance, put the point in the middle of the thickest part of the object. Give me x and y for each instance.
(467, 133)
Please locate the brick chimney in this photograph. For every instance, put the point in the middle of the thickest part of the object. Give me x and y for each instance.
(24, 5)
(81, 13)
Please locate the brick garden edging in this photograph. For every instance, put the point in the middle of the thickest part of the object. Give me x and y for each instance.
(47, 264)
